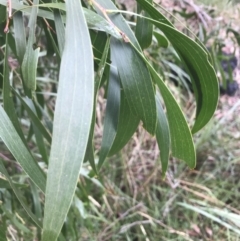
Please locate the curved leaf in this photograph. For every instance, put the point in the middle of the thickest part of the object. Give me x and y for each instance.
(202, 74)
(182, 145)
(181, 139)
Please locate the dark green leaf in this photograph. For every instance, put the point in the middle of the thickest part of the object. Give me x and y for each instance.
(136, 82)
(204, 80)
(181, 138)
(162, 40)
(111, 116)
(127, 125)
(144, 29)
(162, 135)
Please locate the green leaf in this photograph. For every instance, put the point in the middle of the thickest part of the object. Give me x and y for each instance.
(30, 60)
(111, 116)
(119, 21)
(36, 201)
(135, 79)
(162, 135)
(162, 40)
(16, 146)
(133, 72)
(182, 145)
(204, 79)
(89, 155)
(127, 125)
(72, 121)
(153, 12)
(181, 139)
(19, 35)
(202, 74)
(144, 29)
(7, 97)
(60, 30)
(5, 184)
(34, 118)
(3, 13)
(18, 195)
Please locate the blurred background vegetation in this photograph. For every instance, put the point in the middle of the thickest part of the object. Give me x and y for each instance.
(130, 200)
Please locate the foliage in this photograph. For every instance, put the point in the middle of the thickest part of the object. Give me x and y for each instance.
(66, 37)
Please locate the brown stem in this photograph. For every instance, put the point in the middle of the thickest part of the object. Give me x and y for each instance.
(104, 12)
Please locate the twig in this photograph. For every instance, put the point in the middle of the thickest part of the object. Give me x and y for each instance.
(9, 10)
(104, 12)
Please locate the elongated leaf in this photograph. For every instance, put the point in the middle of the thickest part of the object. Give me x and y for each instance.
(36, 201)
(72, 121)
(181, 138)
(19, 35)
(38, 134)
(135, 79)
(133, 72)
(144, 29)
(18, 195)
(16, 146)
(162, 135)
(89, 155)
(30, 60)
(112, 113)
(127, 125)
(12, 135)
(202, 74)
(7, 96)
(59, 29)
